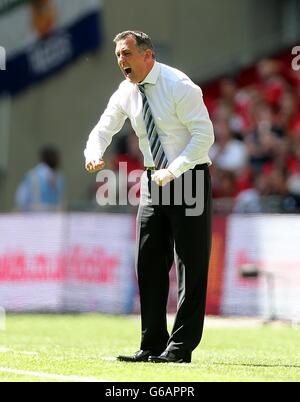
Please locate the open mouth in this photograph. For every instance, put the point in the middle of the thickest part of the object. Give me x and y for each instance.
(127, 70)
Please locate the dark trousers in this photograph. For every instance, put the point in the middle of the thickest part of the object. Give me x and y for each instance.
(165, 232)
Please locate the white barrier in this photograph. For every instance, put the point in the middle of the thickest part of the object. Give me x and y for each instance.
(85, 262)
(270, 244)
(66, 262)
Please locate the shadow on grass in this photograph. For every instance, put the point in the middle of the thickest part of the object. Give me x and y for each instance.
(259, 365)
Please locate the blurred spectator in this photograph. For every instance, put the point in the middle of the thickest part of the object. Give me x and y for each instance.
(276, 182)
(262, 141)
(42, 188)
(289, 116)
(256, 155)
(292, 201)
(229, 106)
(294, 168)
(250, 200)
(253, 200)
(224, 185)
(228, 153)
(130, 153)
(272, 83)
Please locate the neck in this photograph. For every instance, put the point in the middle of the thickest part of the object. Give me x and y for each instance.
(148, 69)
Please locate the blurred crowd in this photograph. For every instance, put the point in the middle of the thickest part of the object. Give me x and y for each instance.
(256, 154)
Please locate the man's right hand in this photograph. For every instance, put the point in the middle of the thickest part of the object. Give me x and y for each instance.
(94, 166)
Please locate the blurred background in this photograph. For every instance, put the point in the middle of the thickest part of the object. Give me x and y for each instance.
(61, 251)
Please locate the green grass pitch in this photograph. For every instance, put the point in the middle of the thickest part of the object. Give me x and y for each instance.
(82, 347)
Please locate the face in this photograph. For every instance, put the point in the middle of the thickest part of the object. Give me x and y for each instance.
(133, 62)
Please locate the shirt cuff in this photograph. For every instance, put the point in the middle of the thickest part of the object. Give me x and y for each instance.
(92, 156)
(179, 166)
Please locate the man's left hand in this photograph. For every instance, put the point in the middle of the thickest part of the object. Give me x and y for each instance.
(162, 177)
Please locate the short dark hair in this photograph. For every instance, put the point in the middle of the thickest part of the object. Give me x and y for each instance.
(50, 156)
(143, 41)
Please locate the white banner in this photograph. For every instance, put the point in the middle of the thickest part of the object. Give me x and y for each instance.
(101, 263)
(268, 244)
(42, 36)
(23, 25)
(240, 295)
(66, 262)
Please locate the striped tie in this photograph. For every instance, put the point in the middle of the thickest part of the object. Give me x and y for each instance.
(158, 154)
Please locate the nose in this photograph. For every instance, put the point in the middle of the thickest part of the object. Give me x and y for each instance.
(121, 58)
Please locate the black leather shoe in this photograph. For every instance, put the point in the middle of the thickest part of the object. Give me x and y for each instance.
(171, 357)
(140, 356)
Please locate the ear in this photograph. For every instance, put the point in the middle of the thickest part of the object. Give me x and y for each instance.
(148, 54)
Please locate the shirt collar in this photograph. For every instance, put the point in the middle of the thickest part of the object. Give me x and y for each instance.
(152, 77)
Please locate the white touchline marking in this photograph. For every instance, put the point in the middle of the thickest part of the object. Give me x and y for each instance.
(28, 353)
(108, 358)
(4, 350)
(183, 364)
(50, 376)
(25, 352)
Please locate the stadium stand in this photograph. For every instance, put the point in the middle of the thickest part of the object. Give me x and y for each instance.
(256, 154)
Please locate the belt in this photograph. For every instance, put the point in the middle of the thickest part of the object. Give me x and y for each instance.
(200, 166)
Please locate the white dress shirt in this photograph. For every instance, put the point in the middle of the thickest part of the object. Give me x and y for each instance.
(180, 115)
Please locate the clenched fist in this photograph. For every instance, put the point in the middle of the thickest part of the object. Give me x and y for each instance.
(94, 166)
(162, 177)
